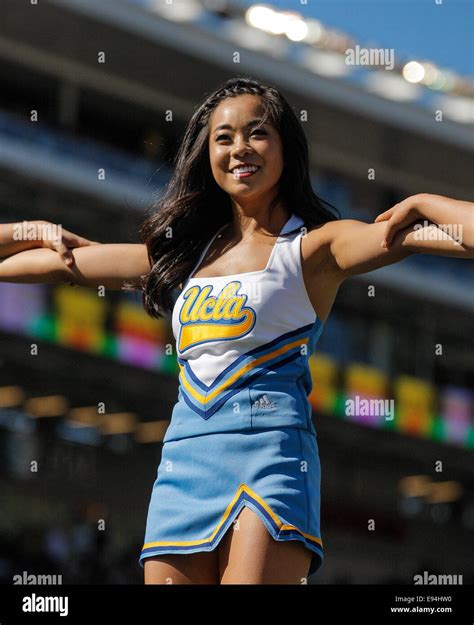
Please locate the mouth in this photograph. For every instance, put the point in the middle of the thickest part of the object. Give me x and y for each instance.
(245, 171)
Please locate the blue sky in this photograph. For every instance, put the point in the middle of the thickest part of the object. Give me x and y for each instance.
(420, 29)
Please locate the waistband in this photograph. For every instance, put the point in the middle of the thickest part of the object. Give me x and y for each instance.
(258, 405)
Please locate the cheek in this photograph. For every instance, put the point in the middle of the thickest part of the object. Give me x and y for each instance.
(274, 158)
(217, 158)
(216, 163)
(273, 155)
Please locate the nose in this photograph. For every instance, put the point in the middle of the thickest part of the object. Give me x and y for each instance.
(241, 147)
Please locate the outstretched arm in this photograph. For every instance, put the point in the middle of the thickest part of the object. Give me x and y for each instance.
(454, 218)
(25, 235)
(107, 264)
(416, 225)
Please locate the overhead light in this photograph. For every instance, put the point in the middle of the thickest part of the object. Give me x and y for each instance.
(151, 431)
(11, 396)
(315, 32)
(415, 486)
(449, 79)
(433, 78)
(49, 406)
(118, 423)
(413, 72)
(444, 492)
(296, 29)
(278, 23)
(438, 82)
(85, 415)
(260, 16)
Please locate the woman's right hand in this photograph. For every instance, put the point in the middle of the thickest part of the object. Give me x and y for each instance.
(62, 241)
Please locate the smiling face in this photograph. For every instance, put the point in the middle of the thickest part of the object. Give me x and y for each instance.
(240, 142)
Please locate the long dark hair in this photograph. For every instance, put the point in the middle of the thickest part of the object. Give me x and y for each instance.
(194, 207)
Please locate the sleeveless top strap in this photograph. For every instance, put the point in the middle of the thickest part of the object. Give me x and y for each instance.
(287, 261)
(204, 252)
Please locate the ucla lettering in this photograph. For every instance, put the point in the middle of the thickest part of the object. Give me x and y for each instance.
(205, 317)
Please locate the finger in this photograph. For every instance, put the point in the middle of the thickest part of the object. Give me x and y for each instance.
(75, 241)
(84, 242)
(390, 230)
(389, 212)
(396, 223)
(385, 215)
(65, 253)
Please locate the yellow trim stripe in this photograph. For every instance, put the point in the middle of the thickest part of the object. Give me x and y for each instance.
(242, 371)
(253, 495)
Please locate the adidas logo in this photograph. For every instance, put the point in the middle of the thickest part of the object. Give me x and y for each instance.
(263, 402)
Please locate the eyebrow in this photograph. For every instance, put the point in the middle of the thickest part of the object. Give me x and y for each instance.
(227, 126)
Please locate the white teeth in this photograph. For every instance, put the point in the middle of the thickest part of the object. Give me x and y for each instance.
(243, 170)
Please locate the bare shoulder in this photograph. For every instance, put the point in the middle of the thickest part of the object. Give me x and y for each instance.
(316, 244)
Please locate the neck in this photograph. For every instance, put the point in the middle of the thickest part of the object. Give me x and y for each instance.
(249, 221)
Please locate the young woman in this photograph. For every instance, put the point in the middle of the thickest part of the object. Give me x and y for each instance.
(248, 260)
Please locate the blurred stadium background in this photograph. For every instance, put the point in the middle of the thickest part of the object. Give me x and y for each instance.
(98, 152)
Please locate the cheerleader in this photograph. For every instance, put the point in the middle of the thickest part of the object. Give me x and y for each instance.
(248, 261)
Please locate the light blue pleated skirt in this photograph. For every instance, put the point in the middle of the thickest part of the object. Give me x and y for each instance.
(204, 481)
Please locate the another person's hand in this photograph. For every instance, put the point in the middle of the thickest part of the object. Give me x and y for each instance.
(446, 224)
(62, 241)
(399, 216)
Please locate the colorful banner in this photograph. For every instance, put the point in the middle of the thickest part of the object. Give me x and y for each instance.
(117, 327)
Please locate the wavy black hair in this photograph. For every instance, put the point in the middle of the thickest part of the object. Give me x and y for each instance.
(194, 207)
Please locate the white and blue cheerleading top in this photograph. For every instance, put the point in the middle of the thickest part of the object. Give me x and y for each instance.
(243, 343)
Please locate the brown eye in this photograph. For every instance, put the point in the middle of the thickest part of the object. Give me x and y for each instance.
(253, 132)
